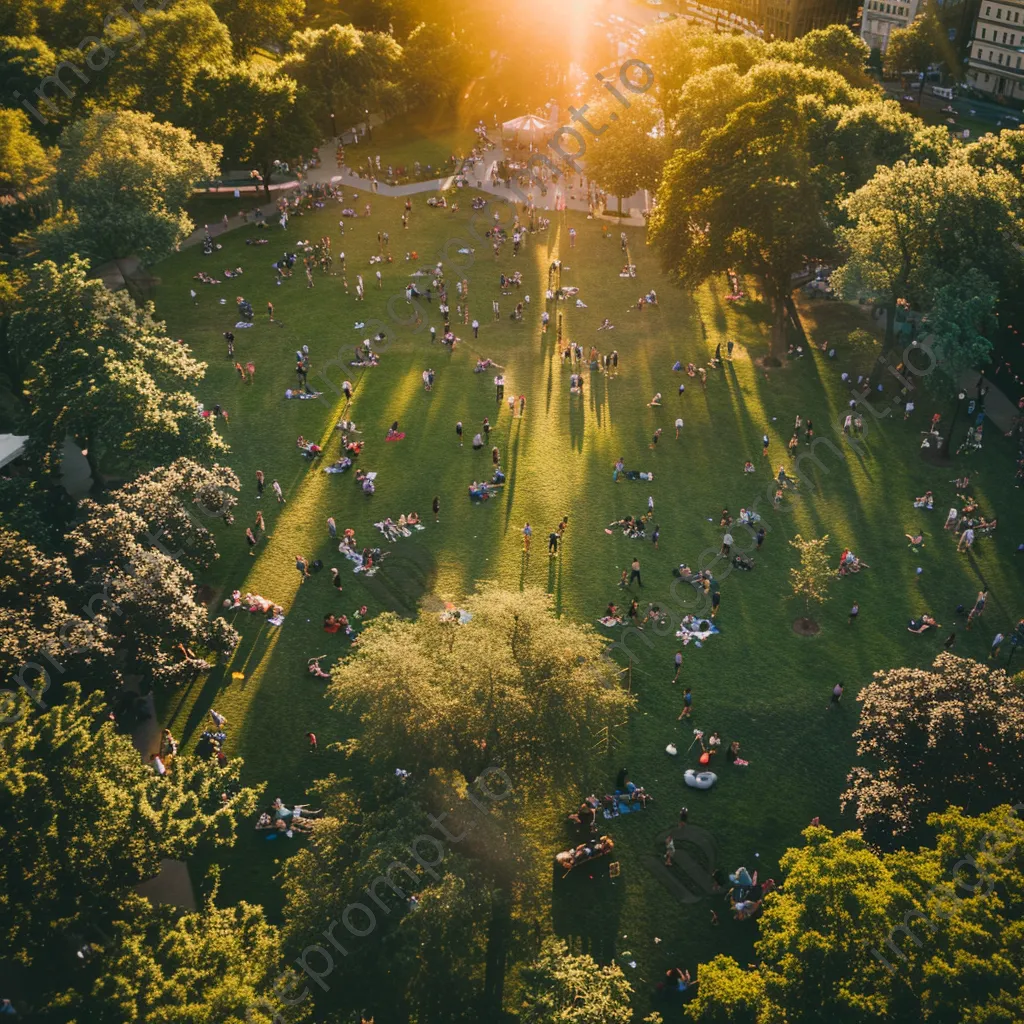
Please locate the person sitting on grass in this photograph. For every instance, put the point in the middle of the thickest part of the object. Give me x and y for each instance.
(916, 540)
(925, 501)
(748, 467)
(732, 755)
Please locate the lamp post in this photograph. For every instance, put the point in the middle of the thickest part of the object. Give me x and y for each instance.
(369, 127)
(952, 423)
(334, 133)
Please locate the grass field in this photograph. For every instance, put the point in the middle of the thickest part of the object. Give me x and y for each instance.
(757, 682)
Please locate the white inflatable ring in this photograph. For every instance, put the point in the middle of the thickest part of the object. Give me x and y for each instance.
(699, 780)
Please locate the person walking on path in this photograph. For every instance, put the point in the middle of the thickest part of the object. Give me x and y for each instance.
(679, 665)
(634, 573)
(760, 537)
(553, 544)
(332, 527)
(656, 536)
(250, 539)
(716, 600)
(311, 736)
(476, 328)
(278, 492)
(302, 566)
(259, 484)
(854, 612)
(837, 696)
(437, 509)
(458, 432)
(527, 535)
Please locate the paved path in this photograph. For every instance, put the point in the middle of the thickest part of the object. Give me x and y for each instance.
(346, 175)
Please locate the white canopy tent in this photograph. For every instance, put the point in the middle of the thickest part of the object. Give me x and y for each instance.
(11, 447)
(528, 124)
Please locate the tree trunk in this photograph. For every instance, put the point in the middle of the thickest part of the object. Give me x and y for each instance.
(498, 933)
(890, 324)
(618, 199)
(779, 317)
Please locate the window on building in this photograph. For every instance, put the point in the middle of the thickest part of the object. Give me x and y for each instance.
(1018, 62)
(990, 56)
(982, 33)
(986, 79)
(999, 14)
(988, 11)
(1000, 58)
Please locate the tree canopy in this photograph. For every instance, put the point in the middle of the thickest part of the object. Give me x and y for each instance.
(84, 820)
(105, 373)
(853, 934)
(126, 177)
(917, 228)
(927, 738)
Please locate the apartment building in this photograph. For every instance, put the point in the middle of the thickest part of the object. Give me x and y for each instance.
(994, 62)
(881, 17)
(790, 19)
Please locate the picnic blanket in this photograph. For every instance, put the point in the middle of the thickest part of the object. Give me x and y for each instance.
(610, 621)
(698, 630)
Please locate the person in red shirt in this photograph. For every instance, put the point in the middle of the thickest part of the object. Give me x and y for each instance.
(311, 736)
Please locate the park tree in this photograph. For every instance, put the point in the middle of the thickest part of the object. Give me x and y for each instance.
(859, 935)
(26, 174)
(811, 578)
(927, 738)
(124, 179)
(255, 113)
(727, 993)
(628, 150)
(153, 67)
(427, 887)
(253, 22)
(48, 629)
(172, 508)
(438, 62)
(745, 198)
(915, 227)
(66, 766)
(681, 52)
(562, 987)
(1003, 151)
(154, 615)
(917, 47)
(422, 700)
(222, 964)
(345, 72)
(104, 373)
(18, 18)
(962, 320)
(25, 60)
(833, 48)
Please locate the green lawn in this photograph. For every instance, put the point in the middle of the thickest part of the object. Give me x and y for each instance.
(757, 682)
(428, 136)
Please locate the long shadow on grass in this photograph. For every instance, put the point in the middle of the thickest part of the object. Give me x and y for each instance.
(513, 462)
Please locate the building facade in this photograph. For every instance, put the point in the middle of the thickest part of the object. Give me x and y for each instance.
(881, 17)
(994, 62)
